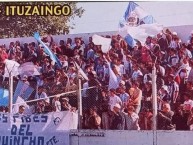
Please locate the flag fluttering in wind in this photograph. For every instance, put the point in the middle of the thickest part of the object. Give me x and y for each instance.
(11, 66)
(53, 57)
(137, 24)
(81, 71)
(28, 69)
(23, 90)
(104, 42)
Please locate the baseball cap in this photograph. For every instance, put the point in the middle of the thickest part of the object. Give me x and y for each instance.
(117, 106)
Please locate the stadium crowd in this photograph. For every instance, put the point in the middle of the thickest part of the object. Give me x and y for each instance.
(127, 106)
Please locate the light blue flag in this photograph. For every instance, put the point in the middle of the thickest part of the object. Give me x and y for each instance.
(133, 17)
(23, 90)
(4, 97)
(53, 57)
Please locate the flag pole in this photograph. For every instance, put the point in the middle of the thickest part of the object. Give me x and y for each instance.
(10, 89)
(79, 95)
(10, 93)
(154, 95)
(79, 102)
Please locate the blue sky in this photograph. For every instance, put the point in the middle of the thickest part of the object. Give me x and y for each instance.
(104, 16)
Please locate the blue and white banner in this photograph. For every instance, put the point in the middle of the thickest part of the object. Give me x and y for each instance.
(53, 57)
(137, 24)
(23, 90)
(44, 129)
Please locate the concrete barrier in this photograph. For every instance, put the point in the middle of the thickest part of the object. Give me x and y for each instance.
(56, 38)
(90, 137)
(183, 32)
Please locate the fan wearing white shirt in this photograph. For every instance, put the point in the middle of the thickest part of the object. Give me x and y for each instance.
(120, 67)
(173, 58)
(186, 51)
(114, 99)
(41, 94)
(136, 72)
(41, 103)
(56, 104)
(124, 96)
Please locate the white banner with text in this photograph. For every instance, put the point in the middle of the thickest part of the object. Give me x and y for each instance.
(41, 129)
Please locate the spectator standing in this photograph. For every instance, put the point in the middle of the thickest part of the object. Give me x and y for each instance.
(163, 97)
(147, 95)
(131, 119)
(136, 97)
(124, 96)
(190, 120)
(56, 104)
(93, 90)
(165, 118)
(114, 99)
(189, 90)
(173, 89)
(21, 110)
(188, 103)
(136, 72)
(118, 119)
(65, 104)
(94, 120)
(162, 42)
(42, 96)
(179, 120)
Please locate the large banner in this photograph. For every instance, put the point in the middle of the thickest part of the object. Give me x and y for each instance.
(44, 129)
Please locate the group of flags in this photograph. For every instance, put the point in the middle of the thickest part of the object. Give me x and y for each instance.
(136, 25)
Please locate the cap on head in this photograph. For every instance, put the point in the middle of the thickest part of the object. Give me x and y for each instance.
(164, 87)
(65, 99)
(175, 33)
(117, 106)
(122, 82)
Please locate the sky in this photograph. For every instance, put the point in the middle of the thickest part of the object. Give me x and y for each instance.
(105, 16)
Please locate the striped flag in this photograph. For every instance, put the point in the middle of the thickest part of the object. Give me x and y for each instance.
(53, 57)
(23, 90)
(137, 24)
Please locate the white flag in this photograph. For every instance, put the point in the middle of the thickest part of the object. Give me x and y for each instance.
(81, 71)
(11, 67)
(141, 32)
(104, 42)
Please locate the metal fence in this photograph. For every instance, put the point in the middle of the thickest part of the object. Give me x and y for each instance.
(89, 96)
